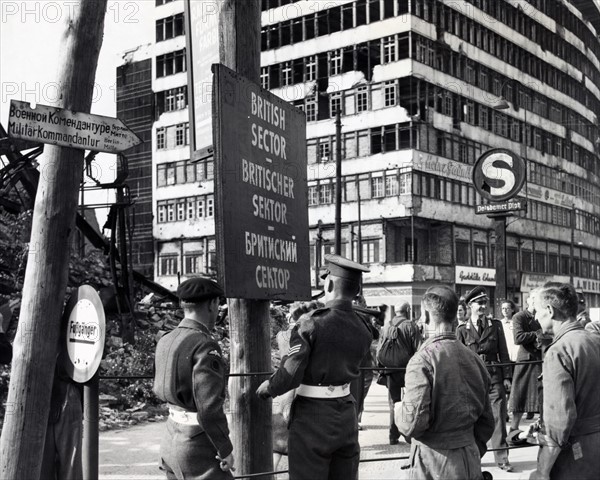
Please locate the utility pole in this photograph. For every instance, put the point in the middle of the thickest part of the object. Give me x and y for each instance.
(239, 31)
(338, 182)
(36, 342)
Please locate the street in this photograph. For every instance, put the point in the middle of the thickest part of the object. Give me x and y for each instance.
(132, 454)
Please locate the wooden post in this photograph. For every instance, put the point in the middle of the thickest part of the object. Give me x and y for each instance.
(35, 345)
(90, 441)
(239, 31)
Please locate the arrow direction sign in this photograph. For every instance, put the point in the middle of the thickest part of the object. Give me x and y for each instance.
(44, 124)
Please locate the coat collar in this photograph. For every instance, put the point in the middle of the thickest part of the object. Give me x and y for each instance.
(437, 338)
(566, 328)
(339, 304)
(194, 325)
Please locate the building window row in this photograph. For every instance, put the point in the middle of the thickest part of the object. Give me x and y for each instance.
(516, 19)
(362, 143)
(331, 19)
(360, 57)
(184, 171)
(431, 53)
(174, 136)
(362, 98)
(188, 208)
(363, 186)
(461, 109)
(451, 21)
(171, 100)
(463, 150)
(196, 262)
(170, 27)
(170, 63)
(561, 14)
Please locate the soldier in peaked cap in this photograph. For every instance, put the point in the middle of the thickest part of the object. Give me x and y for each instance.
(485, 336)
(196, 400)
(327, 346)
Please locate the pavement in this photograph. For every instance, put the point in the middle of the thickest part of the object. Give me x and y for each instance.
(132, 454)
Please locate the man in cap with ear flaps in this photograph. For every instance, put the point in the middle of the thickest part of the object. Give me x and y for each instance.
(197, 443)
(327, 346)
(485, 336)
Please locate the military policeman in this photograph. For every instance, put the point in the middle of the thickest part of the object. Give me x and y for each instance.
(191, 377)
(327, 347)
(485, 336)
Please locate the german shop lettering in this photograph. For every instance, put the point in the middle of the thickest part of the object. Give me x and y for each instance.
(83, 330)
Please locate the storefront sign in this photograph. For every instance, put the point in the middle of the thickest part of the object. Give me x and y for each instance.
(443, 167)
(586, 285)
(529, 281)
(475, 276)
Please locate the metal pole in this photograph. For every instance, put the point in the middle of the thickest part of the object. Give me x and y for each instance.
(359, 246)
(500, 225)
(338, 182)
(89, 445)
(572, 249)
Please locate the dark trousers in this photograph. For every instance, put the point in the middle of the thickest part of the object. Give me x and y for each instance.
(323, 442)
(186, 453)
(498, 440)
(395, 382)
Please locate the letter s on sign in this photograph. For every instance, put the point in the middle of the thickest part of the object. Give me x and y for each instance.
(494, 172)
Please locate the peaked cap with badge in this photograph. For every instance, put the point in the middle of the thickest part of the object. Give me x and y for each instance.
(198, 289)
(342, 267)
(476, 294)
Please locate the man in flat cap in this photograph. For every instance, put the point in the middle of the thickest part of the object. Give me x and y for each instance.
(445, 410)
(485, 336)
(197, 443)
(327, 347)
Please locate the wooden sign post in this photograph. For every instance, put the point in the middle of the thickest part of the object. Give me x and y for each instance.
(36, 342)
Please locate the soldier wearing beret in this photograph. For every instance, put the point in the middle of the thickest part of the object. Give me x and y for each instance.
(327, 347)
(445, 376)
(485, 336)
(191, 377)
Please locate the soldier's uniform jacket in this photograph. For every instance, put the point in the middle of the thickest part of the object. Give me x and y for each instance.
(491, 346)
(191, 374)
(327, 346)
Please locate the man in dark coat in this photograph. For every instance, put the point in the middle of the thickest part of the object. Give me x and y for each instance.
(485, 336)
(327, 347)
(446, 409)
(409, 337)
(191, 376)
(524, 396)
(570, 444)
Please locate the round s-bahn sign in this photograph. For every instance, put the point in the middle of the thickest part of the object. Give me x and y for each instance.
(83, 334)
(499, 174)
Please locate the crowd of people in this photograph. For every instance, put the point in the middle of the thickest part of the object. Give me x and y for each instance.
(455, 357)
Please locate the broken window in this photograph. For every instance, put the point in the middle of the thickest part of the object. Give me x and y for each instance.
(347, 17)
(286, 33)
(309, 26)
(374, 11)
(361, 13)
(376, 146)
(264, 77)
(335, 19)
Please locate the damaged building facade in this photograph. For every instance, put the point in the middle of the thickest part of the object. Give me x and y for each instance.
(423, 88)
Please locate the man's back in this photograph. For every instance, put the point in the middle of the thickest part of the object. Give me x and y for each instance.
(457, 383)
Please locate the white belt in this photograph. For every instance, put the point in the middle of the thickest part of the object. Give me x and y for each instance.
(317, 391)
(183, 417)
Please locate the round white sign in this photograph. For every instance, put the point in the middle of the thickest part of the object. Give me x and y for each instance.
(85, 335)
